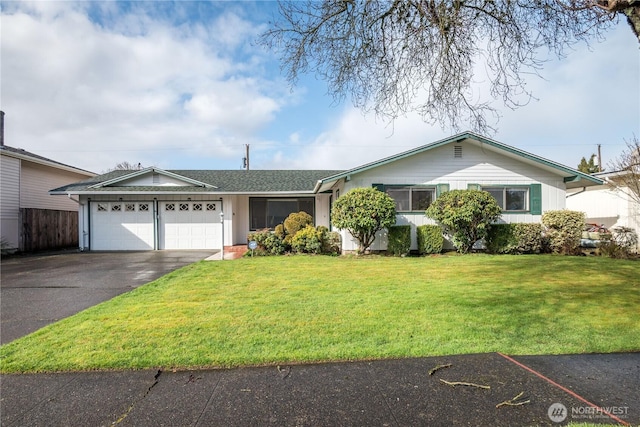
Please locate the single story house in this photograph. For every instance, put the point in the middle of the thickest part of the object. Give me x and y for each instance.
(205, 209)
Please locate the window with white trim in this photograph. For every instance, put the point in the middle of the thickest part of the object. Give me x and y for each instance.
(410, 198)
(267, 213)
(510, 198)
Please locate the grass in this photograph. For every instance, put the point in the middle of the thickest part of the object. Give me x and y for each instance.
(307, 309)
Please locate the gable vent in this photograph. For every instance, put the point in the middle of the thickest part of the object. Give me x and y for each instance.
(155, 178)
(457, 151)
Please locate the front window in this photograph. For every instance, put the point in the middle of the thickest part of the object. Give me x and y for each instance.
(510, 199)
(267, 213)
(411, 199)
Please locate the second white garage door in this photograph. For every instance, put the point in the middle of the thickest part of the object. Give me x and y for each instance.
(190, 225)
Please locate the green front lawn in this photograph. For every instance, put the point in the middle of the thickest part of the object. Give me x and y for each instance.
(306, 309)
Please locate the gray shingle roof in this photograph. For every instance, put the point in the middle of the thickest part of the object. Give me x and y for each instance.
(226, 181)
(35, 157)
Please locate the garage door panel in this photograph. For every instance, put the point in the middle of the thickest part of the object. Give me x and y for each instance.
(122, 226)
(190, 225)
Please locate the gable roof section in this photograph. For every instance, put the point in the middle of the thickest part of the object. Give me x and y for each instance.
(572, 177)
(219, 181)
(21, 154)
(150, 170)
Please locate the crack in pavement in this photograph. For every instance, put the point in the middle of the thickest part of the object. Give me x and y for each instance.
(135, 402)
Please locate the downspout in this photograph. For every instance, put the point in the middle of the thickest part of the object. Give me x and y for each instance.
(156, 237)
(575, 194)
(80, 222)
(222, 224)
(89, 222)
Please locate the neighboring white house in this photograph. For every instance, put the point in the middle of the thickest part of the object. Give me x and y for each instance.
(181, 209)
(610, 204)
(25, 180)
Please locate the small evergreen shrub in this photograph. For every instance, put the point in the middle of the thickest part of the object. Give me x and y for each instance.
(563, 229)
(501, 239)
(515, 239)
(294, 223)
(430, 239)
(332, 243)
(363, 212)
(399, 240)
(528, 238)
(268, 243)
(309, 240)
(465, 215)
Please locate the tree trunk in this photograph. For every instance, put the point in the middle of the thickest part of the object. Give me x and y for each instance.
(633, 18)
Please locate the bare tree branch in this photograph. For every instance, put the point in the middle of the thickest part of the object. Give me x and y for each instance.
(395, 57)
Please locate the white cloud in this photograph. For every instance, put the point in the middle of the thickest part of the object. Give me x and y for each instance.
(90, 93)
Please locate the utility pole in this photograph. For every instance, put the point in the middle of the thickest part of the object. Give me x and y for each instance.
(246, 157)
(599, 159)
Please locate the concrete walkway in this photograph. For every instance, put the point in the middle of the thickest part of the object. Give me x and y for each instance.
(578, 388)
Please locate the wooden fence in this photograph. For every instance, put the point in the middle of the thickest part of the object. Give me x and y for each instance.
(46, 229)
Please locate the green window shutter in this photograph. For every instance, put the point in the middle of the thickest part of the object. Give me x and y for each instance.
(441, 188)
(474, 187)
(379, 187)
(535, 199)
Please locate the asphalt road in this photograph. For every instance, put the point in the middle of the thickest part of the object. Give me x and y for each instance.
(41, 289)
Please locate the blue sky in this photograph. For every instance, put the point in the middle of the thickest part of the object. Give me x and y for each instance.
(182, 85)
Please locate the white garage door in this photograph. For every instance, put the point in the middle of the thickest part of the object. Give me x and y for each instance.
(117, 226)
(190, 225)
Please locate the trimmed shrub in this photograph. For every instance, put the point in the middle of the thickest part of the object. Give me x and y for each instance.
(332, 243)
(308, 241)
(465, 215)
(294, 223)
(528, 238)
(563, 229)
(268, 243)
(501, 239)
(364, 212)
(430, 239)
(515, 239)
(399, 240)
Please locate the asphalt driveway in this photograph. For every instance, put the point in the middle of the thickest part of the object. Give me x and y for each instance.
(38, 290)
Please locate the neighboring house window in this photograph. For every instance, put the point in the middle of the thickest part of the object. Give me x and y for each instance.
(411, 199)
(510, 199)
(267, 213)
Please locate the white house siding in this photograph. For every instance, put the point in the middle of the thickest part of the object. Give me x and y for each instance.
(35, 182)
(10, 202)
(477, 166)
(241, 229)
(153, 179)
(605, 206)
